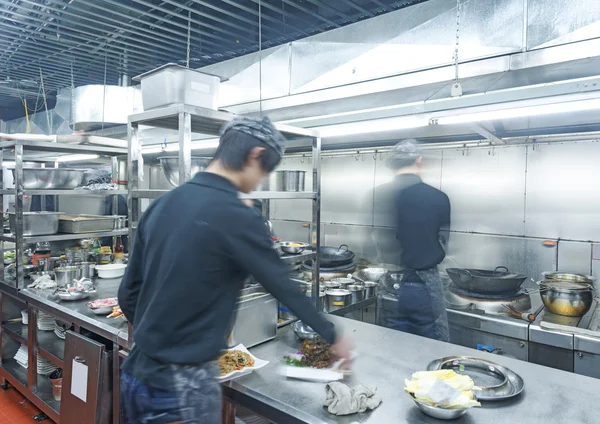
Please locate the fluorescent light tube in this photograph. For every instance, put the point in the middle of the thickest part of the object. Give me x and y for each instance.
(74, 158)
(372, 126)
(548, 109)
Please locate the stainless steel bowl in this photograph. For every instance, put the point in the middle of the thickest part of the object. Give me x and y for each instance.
(372, 274)
(292, 248)
(304, 332)
(439, 413)
(170, 166)
(51, 178)
(36, 223)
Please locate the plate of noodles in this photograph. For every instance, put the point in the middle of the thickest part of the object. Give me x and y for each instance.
(238, 361)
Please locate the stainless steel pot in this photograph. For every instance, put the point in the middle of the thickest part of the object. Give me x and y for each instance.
(337, 299)
(567, 298)
(370, 289)
(66, 275)
(87, 269)
(290, 180)
(358, 292)
(343, 281)
(321, 299)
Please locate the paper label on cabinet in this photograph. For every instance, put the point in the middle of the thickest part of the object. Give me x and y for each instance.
(79, 380)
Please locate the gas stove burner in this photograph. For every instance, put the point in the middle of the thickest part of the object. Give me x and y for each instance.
(473, 295)
(491, 304)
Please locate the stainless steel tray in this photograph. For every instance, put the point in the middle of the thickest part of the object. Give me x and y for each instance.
(497, 382)
(76, 224)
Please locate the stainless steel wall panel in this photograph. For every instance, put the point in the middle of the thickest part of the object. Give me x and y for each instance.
(486, 189)
(356, 237)
(347, 189)
(554, 22)
(292, 231)
(561, 191)
(297, 210)
(521, 255)
(431, 174)
(575, 257)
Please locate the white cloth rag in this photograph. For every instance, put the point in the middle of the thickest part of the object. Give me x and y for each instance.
(343, 400)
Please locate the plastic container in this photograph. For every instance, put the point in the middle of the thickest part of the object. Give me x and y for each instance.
(171, 84)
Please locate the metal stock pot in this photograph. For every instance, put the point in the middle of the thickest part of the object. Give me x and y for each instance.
(567, 298)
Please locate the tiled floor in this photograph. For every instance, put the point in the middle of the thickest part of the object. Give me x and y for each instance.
(15, 409)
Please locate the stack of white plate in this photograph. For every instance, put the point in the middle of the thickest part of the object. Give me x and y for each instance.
(21, 356)
(59, 330)
(45, 367)
(45, 321)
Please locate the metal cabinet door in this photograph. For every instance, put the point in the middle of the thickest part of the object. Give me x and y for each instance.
(587, 364)
(88, 353)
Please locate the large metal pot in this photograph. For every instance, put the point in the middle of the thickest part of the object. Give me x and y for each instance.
(358, 292)
(289, 180)
(330, 257)
(337, 299)
(170, 166)
(371, 289)
(567, 298)
(498, 281)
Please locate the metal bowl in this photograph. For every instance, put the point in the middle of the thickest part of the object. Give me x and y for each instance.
(439, 413)
(372, 274)
(65, 295)
(170, 166)
(304, 332)
(51, 178)
(293, 248)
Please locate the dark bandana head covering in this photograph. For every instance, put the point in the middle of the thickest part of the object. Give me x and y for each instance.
(260, 128)
(406, 149)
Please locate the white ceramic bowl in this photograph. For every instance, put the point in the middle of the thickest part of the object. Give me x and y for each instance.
(111, 270)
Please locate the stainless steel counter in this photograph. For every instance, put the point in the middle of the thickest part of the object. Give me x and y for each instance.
(78, 312)
(385, 358)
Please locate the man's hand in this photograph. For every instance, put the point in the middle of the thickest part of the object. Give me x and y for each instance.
(343, 348)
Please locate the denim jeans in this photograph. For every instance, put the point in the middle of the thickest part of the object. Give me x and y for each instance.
(192, 395)
(421, 308)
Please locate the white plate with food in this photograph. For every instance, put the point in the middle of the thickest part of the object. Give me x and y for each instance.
(237, 362)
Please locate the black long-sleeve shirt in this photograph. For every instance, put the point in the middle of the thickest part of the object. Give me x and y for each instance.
(193, 249)
(422, 218)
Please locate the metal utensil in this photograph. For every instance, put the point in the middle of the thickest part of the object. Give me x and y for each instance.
(337, 299)
(66, 275)
(290, 180)
(498, 281)
(358, 292)
(567, 298)
(370, 289)
(372, 274)
(342, 281)
(303, 331)
(36, 223)
(293, 248)
(356, 278)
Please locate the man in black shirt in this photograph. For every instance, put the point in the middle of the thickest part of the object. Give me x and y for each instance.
(421, 215)
(193, 249)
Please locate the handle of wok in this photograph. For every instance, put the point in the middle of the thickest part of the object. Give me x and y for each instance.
(343, 245)
(500, 267)
(465, 272)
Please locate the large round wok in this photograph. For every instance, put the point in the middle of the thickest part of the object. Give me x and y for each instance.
(498, 281)
(331, 257)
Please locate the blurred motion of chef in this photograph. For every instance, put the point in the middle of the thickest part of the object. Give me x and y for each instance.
(421, 215)
(193, 249)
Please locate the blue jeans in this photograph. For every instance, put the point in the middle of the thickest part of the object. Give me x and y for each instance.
(192, 395)
(421, 308)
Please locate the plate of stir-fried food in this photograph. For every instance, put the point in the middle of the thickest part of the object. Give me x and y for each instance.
(316, 361)
(238, 361)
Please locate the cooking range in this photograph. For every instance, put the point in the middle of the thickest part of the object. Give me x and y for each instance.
(481, 320)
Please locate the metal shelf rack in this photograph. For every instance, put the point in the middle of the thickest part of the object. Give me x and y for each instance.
(186, 120)
(21, 148)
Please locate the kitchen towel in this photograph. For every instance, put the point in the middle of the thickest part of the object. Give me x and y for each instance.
(343, 400)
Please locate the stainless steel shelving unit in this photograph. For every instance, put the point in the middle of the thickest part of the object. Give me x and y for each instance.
(20, 151)
(189, 119)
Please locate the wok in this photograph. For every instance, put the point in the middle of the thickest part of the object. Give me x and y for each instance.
(331, 257)
(498, 281)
